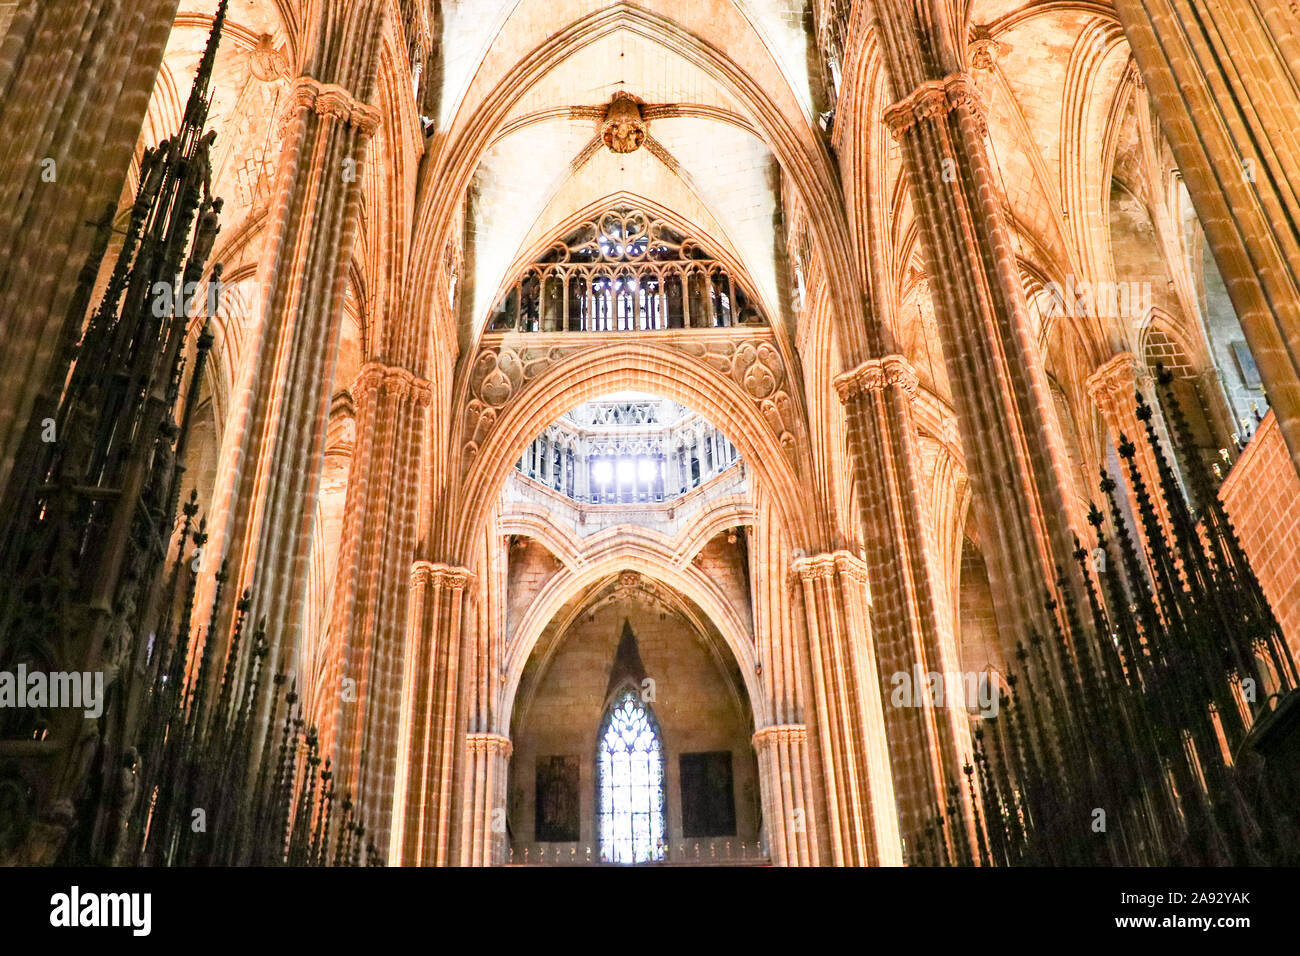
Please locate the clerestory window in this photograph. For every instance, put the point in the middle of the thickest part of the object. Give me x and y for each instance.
(624, 272)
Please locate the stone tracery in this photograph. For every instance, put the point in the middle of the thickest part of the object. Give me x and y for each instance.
(624, 271)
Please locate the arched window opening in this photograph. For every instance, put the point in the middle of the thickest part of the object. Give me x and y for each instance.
(1193, 391)
(630, 765)
(624, 272)
(1231, 358)
(629, 449)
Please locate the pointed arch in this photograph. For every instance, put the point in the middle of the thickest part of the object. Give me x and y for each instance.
(631, 810)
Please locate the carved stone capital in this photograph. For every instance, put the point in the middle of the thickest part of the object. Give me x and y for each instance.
(819, 567)
(936, 99)
(851, 566)
(489, 744)
(780, 734)
(395, 380)
(984, 53)
(1115, 381)
(331, 100)
(429, 574)
(876, 375)
(814, 567)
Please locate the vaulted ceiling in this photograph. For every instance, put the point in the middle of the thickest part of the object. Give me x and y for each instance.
(707, 161)
(732, 91)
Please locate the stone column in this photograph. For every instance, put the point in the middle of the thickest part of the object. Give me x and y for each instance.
(846, 685)
(267, 502)
(928, 745)
(789, 769)
(372, 589)
(1224, 78)
(75, 81)
(431, 697)
(487, 761)
(1015, 454)
(1113, 386)
(784, 777)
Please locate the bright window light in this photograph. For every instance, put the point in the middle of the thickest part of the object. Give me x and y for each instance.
(603, 472)
(626, 471)
(647, 470)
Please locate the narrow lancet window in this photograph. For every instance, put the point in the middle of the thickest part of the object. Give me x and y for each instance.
(631, 783)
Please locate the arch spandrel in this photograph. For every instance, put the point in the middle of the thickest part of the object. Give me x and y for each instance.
(513, 389)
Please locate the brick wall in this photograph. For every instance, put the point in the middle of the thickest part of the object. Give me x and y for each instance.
(1262, 497)
(531, 566)
(694, 705)
(721, 560)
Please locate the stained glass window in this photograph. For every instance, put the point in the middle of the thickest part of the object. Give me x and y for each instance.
(624, 271)
(631, 784)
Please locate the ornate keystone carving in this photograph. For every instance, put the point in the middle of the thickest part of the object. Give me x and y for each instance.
(984, 53)
(266, 62)
(624, 128)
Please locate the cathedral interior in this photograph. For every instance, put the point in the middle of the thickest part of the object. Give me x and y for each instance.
(709, 433)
